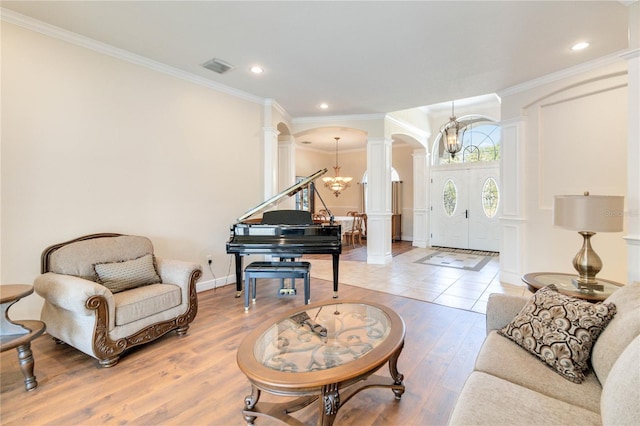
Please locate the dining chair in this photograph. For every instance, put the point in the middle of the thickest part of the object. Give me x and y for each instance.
(355, 231)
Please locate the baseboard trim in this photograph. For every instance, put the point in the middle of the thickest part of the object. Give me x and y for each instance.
(212, 284)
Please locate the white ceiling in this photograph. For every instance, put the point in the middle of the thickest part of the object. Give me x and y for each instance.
(359, 57)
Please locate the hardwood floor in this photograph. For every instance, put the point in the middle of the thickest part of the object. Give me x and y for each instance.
(194, 380)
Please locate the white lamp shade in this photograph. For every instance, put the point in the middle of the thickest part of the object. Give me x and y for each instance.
(592, 213)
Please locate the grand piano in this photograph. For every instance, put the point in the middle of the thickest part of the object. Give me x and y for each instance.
(285, 234)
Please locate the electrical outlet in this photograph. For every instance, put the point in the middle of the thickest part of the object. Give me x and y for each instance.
(209, 259)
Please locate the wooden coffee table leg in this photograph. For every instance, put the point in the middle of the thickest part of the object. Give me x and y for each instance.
(395, 374)
(25, 357)
(329, 404)
(250, 402)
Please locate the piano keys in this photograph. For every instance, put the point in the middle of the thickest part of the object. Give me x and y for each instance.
(286, 234)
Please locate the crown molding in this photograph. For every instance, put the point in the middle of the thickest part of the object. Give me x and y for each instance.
(106, 49)
(281, 110)
(303, 147)
(334, 118)
(514, 121)
(631, 54)
(413, 130)
(566, 73)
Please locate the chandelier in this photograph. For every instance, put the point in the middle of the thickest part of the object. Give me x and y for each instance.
(451, 134)
(337, 183)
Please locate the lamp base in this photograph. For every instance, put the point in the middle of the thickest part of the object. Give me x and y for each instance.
(589, 286)
(588, 264)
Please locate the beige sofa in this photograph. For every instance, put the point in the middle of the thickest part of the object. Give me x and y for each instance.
(509, 386)
(105, 293)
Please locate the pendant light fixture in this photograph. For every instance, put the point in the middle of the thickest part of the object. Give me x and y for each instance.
(451, 134)
(338, 183)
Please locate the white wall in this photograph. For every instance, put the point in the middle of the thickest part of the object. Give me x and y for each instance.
(91, 143)
(571, 137)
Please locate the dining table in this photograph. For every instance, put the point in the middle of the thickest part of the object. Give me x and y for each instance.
(345, 222)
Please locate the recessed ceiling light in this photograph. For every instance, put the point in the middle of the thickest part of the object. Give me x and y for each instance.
(580, 46)
(257, 69)
(324, 106)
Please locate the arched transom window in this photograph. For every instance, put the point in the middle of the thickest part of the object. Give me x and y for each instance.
(480, 143)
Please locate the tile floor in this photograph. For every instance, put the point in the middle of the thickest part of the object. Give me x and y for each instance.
(443, 285)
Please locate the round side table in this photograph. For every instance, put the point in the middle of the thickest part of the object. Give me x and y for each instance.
(19, 334)
(537, 280)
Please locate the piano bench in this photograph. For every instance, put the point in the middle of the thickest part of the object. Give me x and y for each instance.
(275, 270)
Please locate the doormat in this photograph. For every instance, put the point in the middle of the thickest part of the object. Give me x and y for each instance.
(467, 262)
(468, 251)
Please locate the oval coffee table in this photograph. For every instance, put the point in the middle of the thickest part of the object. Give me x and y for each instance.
(325, 351)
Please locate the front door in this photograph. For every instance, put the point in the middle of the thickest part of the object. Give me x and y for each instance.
(464, 204)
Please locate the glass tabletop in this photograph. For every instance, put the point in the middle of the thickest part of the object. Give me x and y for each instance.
(323, 337)
(564, 284)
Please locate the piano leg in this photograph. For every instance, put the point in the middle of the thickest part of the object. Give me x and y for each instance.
(238, 275)
(336, 259)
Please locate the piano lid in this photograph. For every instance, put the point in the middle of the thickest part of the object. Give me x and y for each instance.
(273, 201)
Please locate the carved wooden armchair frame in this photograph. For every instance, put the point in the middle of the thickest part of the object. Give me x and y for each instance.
(106, 350)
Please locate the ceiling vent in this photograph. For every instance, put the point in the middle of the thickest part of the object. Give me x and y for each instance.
(218, 65)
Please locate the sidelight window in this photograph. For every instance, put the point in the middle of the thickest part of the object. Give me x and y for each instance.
(490, 197)
(449, 197)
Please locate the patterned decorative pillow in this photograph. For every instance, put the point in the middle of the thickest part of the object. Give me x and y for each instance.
(120, 276)
(560, 330)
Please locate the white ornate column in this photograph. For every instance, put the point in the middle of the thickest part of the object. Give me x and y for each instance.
(379, 200)
(421, 198)
(286, 169)
(512, 218)
(633, 146)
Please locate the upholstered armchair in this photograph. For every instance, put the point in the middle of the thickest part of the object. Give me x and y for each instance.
(105, 293)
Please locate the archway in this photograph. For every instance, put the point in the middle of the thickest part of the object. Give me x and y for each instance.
(316, 150)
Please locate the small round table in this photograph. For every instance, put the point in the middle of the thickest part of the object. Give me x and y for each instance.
(537, 280)
(19, 334)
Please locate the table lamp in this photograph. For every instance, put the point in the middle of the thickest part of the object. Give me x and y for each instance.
(588, 214)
